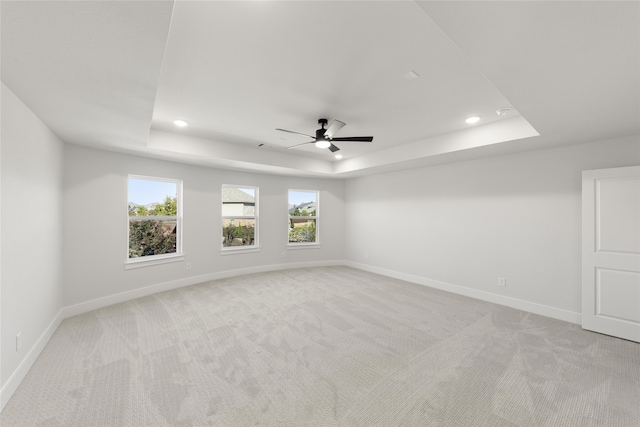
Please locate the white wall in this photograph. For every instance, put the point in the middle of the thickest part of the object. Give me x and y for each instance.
(95, 224)
(461, 226)
(31, 278)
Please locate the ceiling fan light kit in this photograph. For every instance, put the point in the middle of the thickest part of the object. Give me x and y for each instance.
(324, 137)
(323, 143)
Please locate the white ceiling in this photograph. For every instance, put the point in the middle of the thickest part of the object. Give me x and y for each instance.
(115, 75)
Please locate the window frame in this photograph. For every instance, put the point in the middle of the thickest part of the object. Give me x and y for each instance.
(150, 260)
(227, 250)
(316, 217)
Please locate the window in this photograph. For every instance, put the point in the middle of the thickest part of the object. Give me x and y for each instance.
(303, 217)
(155, 224)
(239, 217)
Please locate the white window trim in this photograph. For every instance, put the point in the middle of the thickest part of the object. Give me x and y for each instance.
(153, 260)
(152, 217)
(233, 250)
(150, 260)
(305, 245)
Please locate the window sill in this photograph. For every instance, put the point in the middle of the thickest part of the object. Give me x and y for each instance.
(152, 260)
(239, 250)
(295, 246)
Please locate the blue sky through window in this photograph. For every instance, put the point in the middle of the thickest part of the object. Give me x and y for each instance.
(249, 191)
(145, 191)
(298, 197)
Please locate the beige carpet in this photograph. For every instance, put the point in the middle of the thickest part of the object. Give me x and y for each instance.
(324, 347)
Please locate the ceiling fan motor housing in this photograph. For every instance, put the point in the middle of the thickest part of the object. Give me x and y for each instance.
(322, 140)
(320, 132)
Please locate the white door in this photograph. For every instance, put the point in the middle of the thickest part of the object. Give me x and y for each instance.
(611, 252)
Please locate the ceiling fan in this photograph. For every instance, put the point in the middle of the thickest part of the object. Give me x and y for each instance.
(324, 137)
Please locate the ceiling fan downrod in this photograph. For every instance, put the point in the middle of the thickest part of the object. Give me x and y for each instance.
(320, 132)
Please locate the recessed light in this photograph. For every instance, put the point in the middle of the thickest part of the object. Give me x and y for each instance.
(473, 119)
(338, 156)
(503, 111)
(180, 123)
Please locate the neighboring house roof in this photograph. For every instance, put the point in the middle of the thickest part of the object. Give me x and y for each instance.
(235, 195)
(150, 206)
(308, 206)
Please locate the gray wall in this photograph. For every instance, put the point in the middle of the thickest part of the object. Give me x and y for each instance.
(31, 254)
(457, 226)
(96, 227)
(64, 231)
(461, 226)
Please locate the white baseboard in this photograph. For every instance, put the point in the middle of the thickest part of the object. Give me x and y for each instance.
(18, 375)
(532, 307)
(29, 359)
(95, 304)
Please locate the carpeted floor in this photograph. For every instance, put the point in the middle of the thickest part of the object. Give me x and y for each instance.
(324, 347)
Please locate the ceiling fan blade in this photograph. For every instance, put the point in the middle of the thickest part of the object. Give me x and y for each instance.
(298, 145)
(333, 128)
(297, 133)
(333, 148)
(354, 139)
